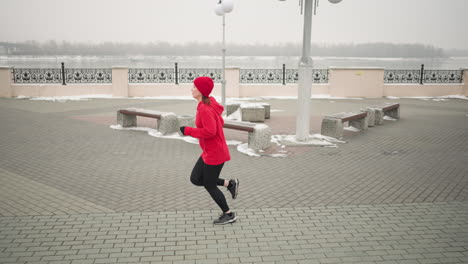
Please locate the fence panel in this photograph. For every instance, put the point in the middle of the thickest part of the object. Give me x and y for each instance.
(402, 76)
(443, 76)
(79, 75)
(429, 76)
(187, 75)
(22, 75)
(159, 75)
(261, 76)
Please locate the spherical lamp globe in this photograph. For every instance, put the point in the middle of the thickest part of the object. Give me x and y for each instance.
(228, 5)
(219, 10)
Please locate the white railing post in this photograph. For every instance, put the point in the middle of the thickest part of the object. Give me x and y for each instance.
(5, 82)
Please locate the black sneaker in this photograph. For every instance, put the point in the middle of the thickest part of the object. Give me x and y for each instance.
(234, 188)
(225, 219)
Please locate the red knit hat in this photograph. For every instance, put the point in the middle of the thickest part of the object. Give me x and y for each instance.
(204, 84)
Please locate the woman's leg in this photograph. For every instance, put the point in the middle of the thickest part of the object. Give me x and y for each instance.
(211, 181)
(197, 173)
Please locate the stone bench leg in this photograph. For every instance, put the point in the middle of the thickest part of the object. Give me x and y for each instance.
(379, 114)
(267, 110)
(394, 113)
(256, 114)
(371, 116)
(361, 124)
(126, 120)
(186, 120)
(332, 127)
(260, 138)
(231, 108)
(168, 123)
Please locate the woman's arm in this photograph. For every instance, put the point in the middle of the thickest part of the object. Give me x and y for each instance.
(208, 128)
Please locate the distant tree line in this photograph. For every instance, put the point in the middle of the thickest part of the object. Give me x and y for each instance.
(213, 49)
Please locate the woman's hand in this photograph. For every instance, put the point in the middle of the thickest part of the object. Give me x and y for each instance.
(182, 130)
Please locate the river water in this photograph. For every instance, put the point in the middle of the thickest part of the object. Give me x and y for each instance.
(243, 62)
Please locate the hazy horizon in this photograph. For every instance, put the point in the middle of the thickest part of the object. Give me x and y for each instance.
(60, 42)
(428, 22)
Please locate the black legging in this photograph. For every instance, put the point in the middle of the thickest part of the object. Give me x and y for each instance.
(208, 176)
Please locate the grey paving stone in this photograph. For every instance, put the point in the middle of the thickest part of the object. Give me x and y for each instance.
(355, 203)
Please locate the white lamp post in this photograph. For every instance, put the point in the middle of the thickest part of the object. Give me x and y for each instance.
(223, 7)
(305, 75)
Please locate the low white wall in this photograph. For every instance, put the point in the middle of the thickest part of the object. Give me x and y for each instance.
(429, 90)
(48, 90)
(465, 79)
(343, 82)
(255, 90)
(356, 82)
(169, 89)
(120, 81)
(5, 82)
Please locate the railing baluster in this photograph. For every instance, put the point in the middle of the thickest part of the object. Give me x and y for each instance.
(284, 74)
(63, 74)
(176, 74)
(421, 79)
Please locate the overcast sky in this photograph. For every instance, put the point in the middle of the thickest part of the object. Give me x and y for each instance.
(441, 23)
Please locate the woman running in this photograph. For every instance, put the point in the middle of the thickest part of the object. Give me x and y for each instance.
(209, 130)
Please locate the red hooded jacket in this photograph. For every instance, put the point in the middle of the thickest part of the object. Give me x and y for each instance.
(209, 131)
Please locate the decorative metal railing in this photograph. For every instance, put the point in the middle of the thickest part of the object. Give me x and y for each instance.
(318, 76)
(37, 75)
(443, 76)
(62, 76)
(423, 76)
(402, 76)
(88, 75)
(261, 76)
(159, 75)
(188, 75)
(280, 76)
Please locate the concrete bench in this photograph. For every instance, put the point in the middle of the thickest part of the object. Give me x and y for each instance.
(168, 122)
(231, 108)
(251, 112)
(332, 125)
(259, 134)
(267, 107)
(388, 109)
(371, 116)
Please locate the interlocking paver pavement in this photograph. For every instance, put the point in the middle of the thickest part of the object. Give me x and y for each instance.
(72, 190)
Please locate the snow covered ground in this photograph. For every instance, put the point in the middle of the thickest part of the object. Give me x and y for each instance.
(282, 141)
(229, 100)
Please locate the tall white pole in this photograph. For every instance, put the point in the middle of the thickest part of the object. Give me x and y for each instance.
(223, 82)
(305, 78)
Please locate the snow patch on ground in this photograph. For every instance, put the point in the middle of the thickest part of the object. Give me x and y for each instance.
(433, 98)
(244, 148)
(351, 128)
(155, 133)
(236, 116)
(164, 98)
(312, 140)
(233, 142)
(218, 98)
(326, 96)
(67, 98)
(314, 96)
